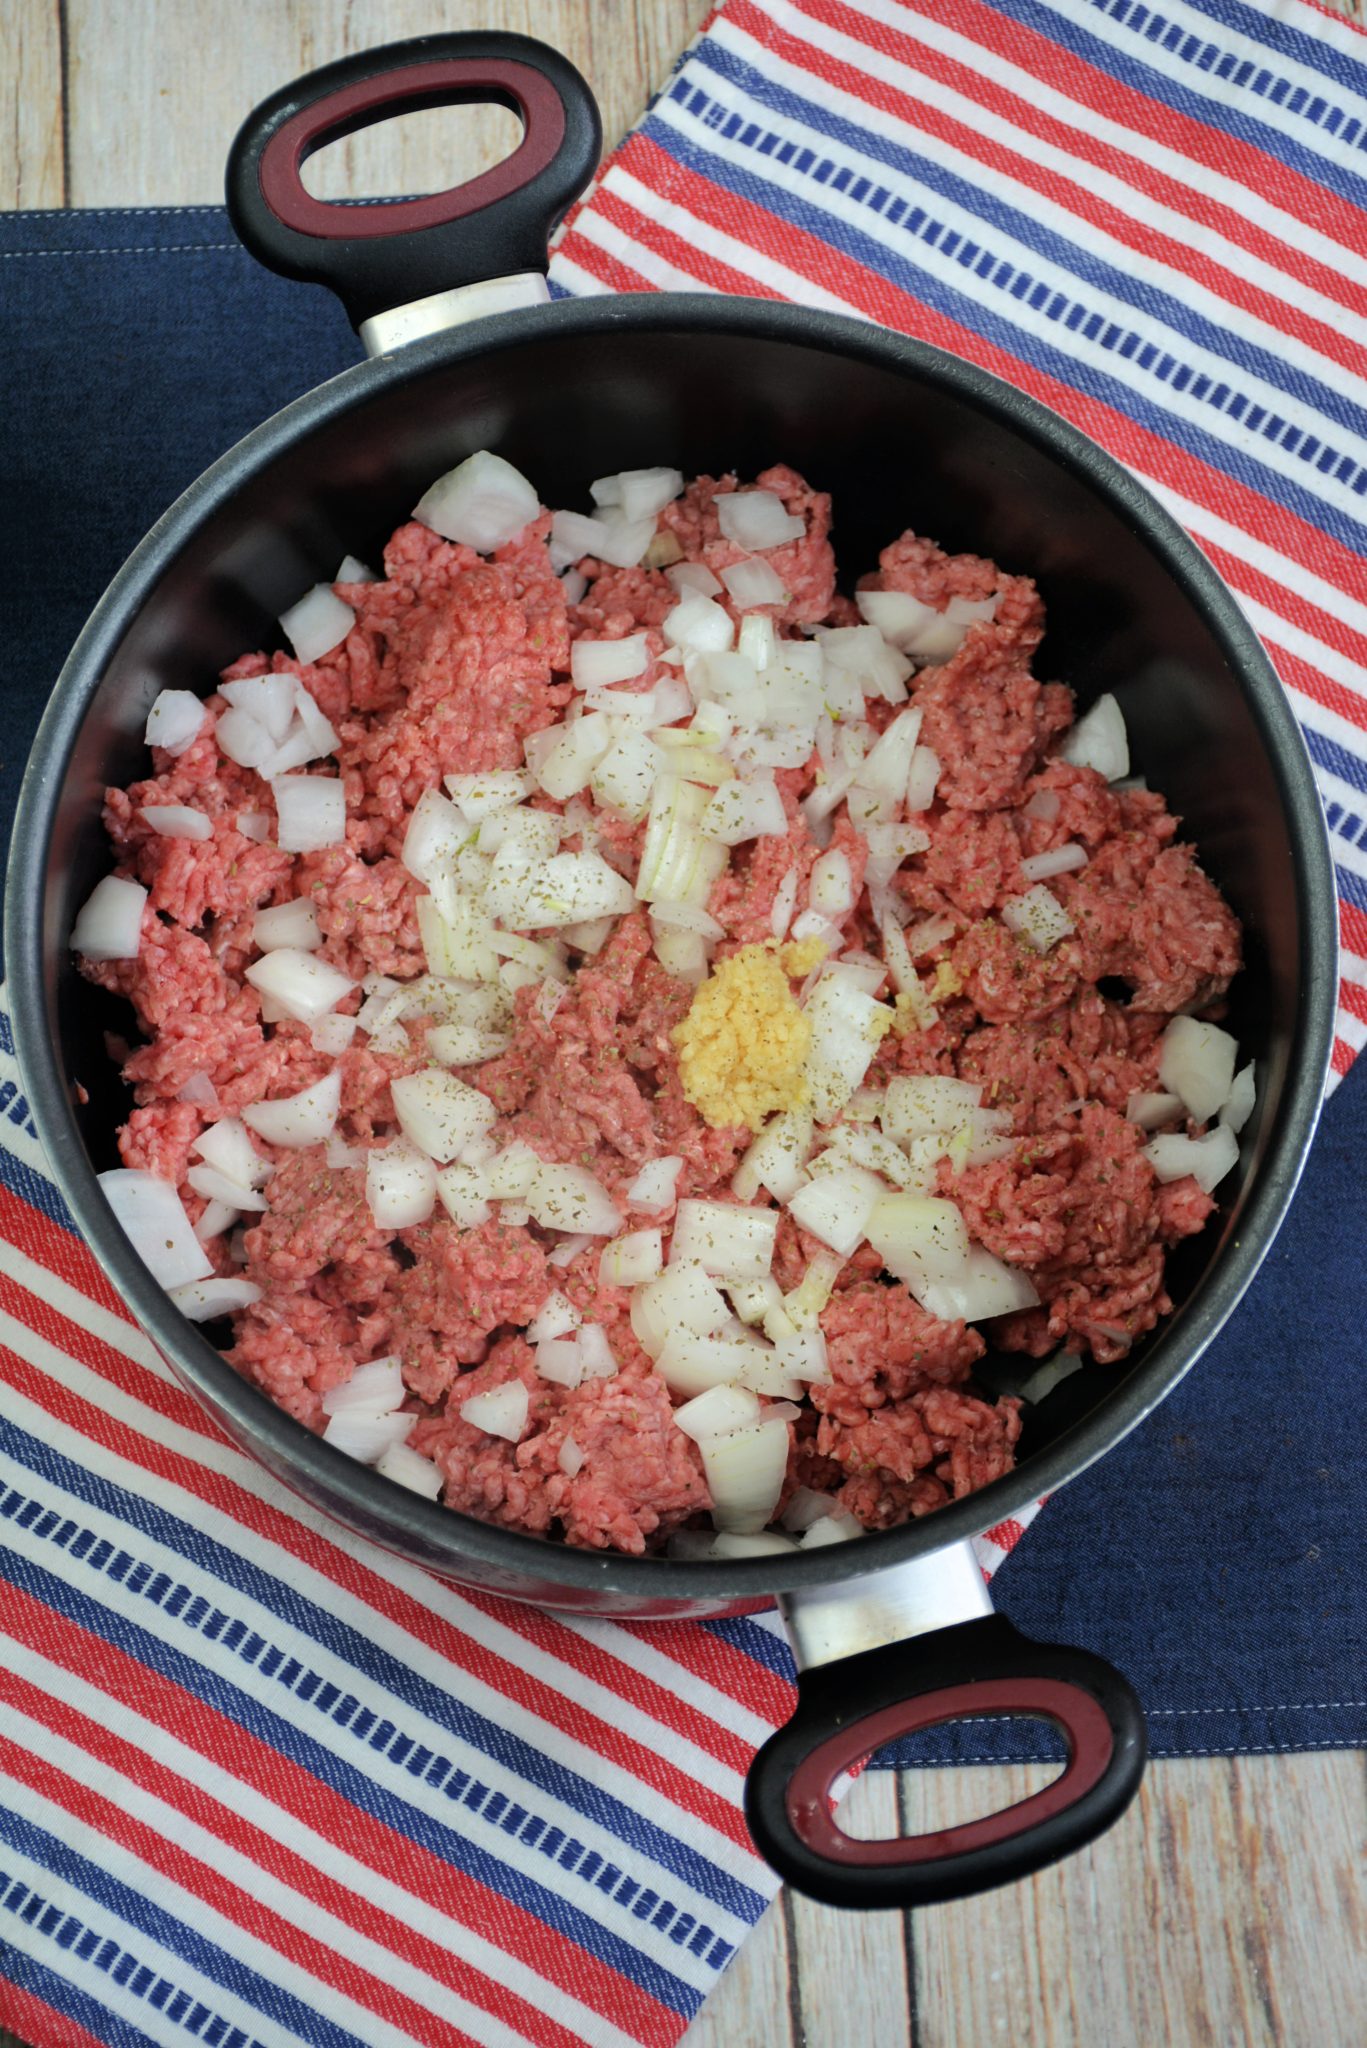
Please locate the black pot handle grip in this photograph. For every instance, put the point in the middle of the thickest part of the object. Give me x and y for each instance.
(389, 254)
(849, 1708)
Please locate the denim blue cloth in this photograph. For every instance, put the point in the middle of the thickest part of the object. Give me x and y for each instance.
(1215, 1556)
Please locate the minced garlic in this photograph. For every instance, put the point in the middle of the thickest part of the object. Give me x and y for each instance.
(744, 1042)
(800, 956)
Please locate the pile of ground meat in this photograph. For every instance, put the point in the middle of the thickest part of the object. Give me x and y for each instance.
(453, 661)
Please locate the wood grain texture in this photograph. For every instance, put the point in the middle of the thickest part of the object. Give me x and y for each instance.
(32, 172)
(1226, 1910)
(140, 128)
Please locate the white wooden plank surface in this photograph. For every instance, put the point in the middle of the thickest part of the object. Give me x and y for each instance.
(1227, 1908)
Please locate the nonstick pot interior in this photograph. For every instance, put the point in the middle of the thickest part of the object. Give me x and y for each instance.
(902, 437)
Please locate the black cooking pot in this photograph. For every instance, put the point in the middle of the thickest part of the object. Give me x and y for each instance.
(892, 1632)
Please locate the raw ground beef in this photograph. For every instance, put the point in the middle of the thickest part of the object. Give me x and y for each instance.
(454, 661)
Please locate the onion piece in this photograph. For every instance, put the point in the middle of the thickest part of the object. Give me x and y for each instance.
(556, 1317)
(570, 1198)
(698, 624)
(317, 623)
(570, 1458)
(726, 1239)
(777, 1158)
(596, 1352)
(303, 986)
(838, 1528)
(616, 540)
(351, 569)
(501, 1411)
(560, 1360)
(830, 888)
(215, 1218)
(1042, 1382)
(1196, 1061)
(985, 1287)
(227, 1146)
(921, 1239)
(217, 1187)
(603, 662)
(691, 1365)
(729, 1544)
(152, 1217)
(482, 503)
(566, 889)
(464, 1193)
(109, 923)
(293, 924)
(624, 777)
(244, 740)
(753, 582)
(683, 1298)
(310, 812)
(1037, 917)
(509, 1175)
(805, 1507)
(1238, 1104)
(654, 1186)
(1060, 860)
(922, 778)
(784, 904)
(632, 1260)
(1207, 1159)
(298, 1120)
(917, 1105)
(693, 576)
(438, 1112)
(1151, 1110)
(174, 720)
(745, 810)
(638, 493)
(436, 833)
(374, 1389)
(745, 1470)
(269, 699)
(177, 821)
(677, 862)
(836, 1207)
(407, 1467)
(254, 825)
(846, 1030)
(717, 1412)
(367, 1437)
(400, 1185)
(803, 1355)
(756, 519)
(1099, 740)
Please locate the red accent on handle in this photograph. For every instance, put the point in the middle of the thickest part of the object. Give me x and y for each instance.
(1082, 1720)
(535, 98)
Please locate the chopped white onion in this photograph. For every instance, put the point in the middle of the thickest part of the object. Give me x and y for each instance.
(596, 1352)
(1207, 1159)
(293, 924)
(918, 1105)
(556, 1317)
(830, 889)
(407, 1467)
(805, 1507)
(745, 1470)
(464, 1192)
(726, 1239)
(683, 1298)
(919, 630)
(400, 1185)
(1151, 1110)
(756, 519)
(216, 1186)
(478, 796)
(215, 1218)
(566, 889)
(625, 775)
(654, 1186)
(631, 1260)
(351, 569)
(509, 1175)
(502, 1411)
(717, 1411)
(921, 1239)
(570, 1458)
(1061, 1366)
(640, 493)
(922, 778)
(1196, 1061)
(561, 1360)
(373, 1389)
(698, 624)
(109, 923)
(784, 904)
(745, 810)
(836, 1207)
(438, 1112)
(367, 1437)
(318, 623)
(254, 825)
(985, 1287)
(570, 1198)
(602, 662)
(269, 699)
(830, 1529)
(1037, 917)
(846, 1031)
(177, 821)
(311, 812)
(693, 576)
(303, 986)
(803, 1355)
(1060, 860)
(174, 720)
(152, 1216)
(297, 1120)
(339, 1155)
(615, 539)
(1238, 1104)
(482, 503)
(1099, 740)
(753, 582)
(436, 833)
(776, 1160)
(458, 947)
(244, 740)
(227, 1146)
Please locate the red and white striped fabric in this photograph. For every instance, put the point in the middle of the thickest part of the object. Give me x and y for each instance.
(1153, 217)
(261, 1785)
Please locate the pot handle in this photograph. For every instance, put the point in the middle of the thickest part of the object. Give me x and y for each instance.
(387, 256)
(848, 1708)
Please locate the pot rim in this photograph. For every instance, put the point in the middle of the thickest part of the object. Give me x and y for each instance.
(425, 1529)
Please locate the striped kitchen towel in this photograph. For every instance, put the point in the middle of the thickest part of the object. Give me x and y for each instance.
(1151, 217)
